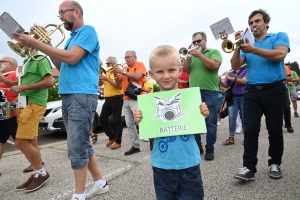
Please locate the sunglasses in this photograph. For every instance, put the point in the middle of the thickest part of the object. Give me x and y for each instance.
(197, 41)
(2, 61)
(108, 63)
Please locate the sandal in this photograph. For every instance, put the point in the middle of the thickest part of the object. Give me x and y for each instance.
(229, 141)
(29, 168)
(94, 138)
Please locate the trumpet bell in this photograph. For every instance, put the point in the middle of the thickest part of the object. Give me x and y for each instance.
(227, 46)
(102, 71)
(183, 52)
(17, 48)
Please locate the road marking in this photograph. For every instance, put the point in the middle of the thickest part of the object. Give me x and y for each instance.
(108, 177)
(10, 142)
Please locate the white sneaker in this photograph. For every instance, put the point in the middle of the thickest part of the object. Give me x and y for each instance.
(238, 129)
(219, 123)
(146, 140)
(76, 198)
(97, 190)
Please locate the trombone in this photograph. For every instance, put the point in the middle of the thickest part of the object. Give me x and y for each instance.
(40, 35)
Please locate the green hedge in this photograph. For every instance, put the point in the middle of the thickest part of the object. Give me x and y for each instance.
(53, 93)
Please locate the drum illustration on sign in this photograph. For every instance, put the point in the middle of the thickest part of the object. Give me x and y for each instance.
(169, 110)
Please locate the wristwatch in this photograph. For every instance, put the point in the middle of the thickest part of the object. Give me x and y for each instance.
(124, 73)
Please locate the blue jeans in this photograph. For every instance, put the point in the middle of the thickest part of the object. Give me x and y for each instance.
(178, 184)
(233, 110)
(219, 104)
(78, 114)
(211, 99)
(271, 103)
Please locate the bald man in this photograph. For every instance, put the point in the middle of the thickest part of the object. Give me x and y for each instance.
(8, 78)
(78, 63)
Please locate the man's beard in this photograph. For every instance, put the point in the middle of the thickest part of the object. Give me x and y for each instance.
(68, 25)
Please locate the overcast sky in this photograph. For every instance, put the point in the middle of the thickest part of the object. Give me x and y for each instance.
(142, 25)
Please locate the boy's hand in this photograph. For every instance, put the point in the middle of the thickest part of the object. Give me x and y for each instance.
(137, 116)
(204, 109)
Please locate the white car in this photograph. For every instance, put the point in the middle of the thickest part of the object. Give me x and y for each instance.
(52, 120)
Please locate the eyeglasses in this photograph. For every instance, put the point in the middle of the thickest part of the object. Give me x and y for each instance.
(127, 57)
(197, 41)
(62, 12)
(108, 63)
(2, 61)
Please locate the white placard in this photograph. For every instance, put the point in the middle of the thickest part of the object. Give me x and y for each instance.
(9, 25)
(220, 26)
(248, 34)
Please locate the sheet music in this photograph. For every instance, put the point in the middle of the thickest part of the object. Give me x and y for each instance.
(9, 25)
(220, 26)
(248, 34)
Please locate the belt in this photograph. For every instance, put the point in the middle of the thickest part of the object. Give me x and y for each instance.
(265, 86)
(114, 96)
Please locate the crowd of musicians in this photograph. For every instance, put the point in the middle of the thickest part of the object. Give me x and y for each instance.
(253, 95)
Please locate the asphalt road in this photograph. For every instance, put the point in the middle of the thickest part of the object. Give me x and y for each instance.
(45, 137)
(130, 177)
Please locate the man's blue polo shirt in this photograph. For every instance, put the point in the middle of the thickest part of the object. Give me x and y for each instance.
(83, 77)
(261, 70)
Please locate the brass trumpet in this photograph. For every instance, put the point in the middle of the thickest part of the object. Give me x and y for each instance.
(40, 35)
(227, 45)
(104, 72)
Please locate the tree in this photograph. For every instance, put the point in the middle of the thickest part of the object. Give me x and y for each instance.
(156, 88)
(53, 93)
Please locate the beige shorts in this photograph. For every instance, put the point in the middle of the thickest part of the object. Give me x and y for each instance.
(293, 94)
(28, 121)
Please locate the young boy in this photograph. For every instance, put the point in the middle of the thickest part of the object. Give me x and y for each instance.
(176, 172)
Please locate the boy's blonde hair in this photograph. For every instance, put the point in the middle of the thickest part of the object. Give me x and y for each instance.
(164, 51)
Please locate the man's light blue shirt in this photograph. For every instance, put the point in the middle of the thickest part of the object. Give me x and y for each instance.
(261, 70)
(83, 77)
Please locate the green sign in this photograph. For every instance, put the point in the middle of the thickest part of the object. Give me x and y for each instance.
(174, 112)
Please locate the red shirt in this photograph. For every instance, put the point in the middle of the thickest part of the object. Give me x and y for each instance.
(11, 75)
(184, 77)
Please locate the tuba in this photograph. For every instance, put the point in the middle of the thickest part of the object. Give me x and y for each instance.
(40, 35)
(184, 52)
(227, 45)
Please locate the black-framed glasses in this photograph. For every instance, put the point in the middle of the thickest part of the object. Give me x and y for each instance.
(197, 41)
(127, 57)
(62, 12)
